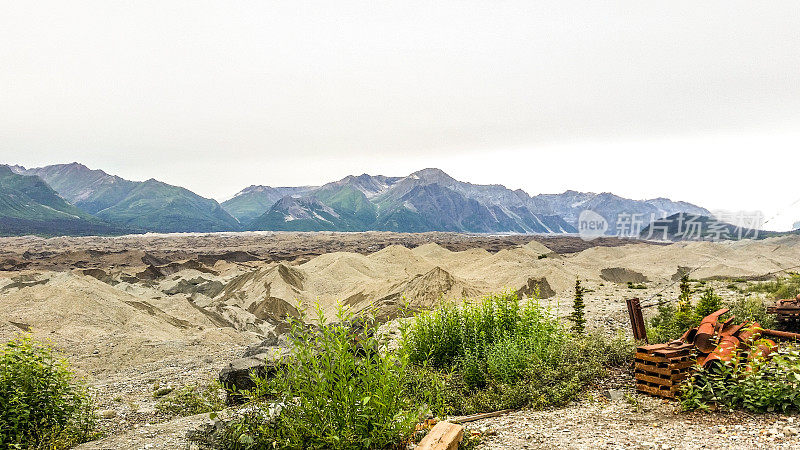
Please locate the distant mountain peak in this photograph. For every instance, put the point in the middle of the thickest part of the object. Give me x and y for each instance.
(19, 170)
(432, 175)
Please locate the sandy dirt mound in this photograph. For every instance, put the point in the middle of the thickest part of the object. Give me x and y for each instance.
(622, 275)
(85, 316)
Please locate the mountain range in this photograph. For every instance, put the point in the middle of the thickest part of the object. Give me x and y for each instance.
(135, 206)
(426, 200)
(29, 206)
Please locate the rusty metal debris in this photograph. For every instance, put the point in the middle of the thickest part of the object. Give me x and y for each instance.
(787, 313)
(660, 368)
(637, 320)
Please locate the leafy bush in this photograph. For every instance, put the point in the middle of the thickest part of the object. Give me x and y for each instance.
(671, 321)
(757, 384)
(191, 400)
(709, 303)
(42, 404)
(498, 354)
(453, 333)
(782, 287)
(751, 309)
(338, 390)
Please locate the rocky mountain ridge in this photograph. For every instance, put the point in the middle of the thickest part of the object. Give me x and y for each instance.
(426, 200)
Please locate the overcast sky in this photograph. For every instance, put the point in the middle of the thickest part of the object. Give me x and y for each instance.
(697, 101)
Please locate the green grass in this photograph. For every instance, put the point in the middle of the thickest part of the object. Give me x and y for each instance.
(191, 400)
(780, 288)
(42, 404)
(500, 354)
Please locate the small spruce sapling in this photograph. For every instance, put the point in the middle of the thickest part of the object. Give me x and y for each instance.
(577, 317)
(685, 314)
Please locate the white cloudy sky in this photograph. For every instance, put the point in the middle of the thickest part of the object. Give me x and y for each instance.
(698, 101)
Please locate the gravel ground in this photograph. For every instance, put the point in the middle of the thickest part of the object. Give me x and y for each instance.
(635, 421)
(631, 422)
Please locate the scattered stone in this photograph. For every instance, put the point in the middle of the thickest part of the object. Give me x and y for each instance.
(160, 392)
(236, 377)
(614, 395)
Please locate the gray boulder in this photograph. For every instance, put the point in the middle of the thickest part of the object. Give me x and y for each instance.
(261, 360)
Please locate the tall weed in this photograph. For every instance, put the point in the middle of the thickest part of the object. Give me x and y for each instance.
(338, 390)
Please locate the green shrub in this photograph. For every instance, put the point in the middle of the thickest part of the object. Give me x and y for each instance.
(499, 354)
(709, 303)
(191, 400)
(780, 288)
(757, 385)
(453, 333)
(751, 309)
(671, 321)
(43, 406)
(338, 390)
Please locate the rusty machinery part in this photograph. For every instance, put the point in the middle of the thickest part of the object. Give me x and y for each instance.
(704, 334)
(660, 368)
(787, 312)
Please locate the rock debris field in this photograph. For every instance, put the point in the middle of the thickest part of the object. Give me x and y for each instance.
(135, 313)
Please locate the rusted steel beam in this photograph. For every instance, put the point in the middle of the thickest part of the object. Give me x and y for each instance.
(781, 334)
(637, 320)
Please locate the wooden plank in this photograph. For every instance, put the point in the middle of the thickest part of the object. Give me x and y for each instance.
(655, 391)
(650, 348)
(668, 376)
(670, 369)
(681, 365)
(661, 359)
(674, 380)
(646, 357)
(444, 436)
(653, 380)
(673, 352)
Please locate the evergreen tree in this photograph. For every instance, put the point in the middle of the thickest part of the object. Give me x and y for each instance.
(709, 302)
(685, 314)
(577, 318)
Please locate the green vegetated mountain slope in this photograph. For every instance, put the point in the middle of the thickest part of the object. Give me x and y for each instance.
(160, 207)
(431, 200)
(89, 190)
(253, 201)
(145, 206)
(29, 206)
